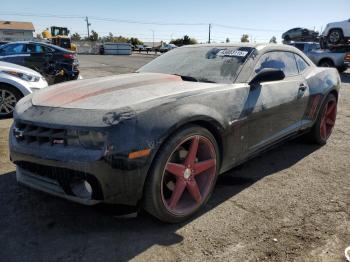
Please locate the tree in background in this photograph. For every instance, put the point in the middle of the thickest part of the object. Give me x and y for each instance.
(135, 41)
(227, 40)
(245, 38)
(273, 40)
(121, 39)
(75, 37)
(186, 40)
(93, 36)
(108, 38)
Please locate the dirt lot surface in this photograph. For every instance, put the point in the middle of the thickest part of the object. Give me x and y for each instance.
(290, 204)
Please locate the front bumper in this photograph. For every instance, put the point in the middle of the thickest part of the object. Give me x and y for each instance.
(49, 186)
(114, 178)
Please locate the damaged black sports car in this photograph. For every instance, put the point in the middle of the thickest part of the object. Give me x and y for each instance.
(158, 138)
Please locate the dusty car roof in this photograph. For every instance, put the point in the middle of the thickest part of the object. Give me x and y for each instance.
(253, 45)
(258, 46)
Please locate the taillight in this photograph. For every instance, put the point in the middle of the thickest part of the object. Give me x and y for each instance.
(347, 57)
(69, 56)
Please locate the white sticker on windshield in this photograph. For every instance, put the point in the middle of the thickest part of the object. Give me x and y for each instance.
(228, 52)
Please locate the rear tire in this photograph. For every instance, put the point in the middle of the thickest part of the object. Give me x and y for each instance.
(326, 63)
(325, 122)
(179, 183)
(9, 96)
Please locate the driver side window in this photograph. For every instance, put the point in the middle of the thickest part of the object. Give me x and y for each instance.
(284, 61)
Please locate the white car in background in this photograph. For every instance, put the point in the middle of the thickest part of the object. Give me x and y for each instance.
(337, 32)
(16, 82)
(166, 47)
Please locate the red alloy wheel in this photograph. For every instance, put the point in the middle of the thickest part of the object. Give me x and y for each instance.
(189, 175)
(328, 119)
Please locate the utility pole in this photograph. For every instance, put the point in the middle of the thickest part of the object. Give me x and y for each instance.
(88, 26)
(153, 37)
(209, 33)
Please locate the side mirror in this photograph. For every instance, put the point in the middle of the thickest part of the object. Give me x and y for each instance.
(268, 75)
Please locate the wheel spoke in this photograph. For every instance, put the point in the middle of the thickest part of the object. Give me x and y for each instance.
(331, 109)
(175, 169)
(6, 109)
(330, 122)
(192, 187)
(202, 166)
(177, 193)
(324, 131)
(192, 152)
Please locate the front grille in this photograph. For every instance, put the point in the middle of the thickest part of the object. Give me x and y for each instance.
(64, 176)
(35, 134)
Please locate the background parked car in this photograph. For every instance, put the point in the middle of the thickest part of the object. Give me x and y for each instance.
(166, 47)
(16, 82)
(140, 48)
(300, 34)
(324, 57)
(3, 42)
(56, 64)
(337, 32)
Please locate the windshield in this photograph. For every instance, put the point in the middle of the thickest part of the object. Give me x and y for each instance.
(202, 64)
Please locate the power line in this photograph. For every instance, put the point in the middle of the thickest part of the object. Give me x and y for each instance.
(138, 21)
(144, 22)
(103, 19)
(43, 15)
(247, 28)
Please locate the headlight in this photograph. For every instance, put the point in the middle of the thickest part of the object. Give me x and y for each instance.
(23, 76)
(92, 139)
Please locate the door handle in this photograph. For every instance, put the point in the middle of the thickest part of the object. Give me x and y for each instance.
(302, 87)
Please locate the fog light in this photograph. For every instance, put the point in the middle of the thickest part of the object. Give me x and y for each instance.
(82, 189)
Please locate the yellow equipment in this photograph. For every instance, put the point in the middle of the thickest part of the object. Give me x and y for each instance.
(59, 36)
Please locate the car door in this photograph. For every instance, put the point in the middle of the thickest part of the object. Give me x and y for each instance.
(13, 53)
(36, 58)
(276, 107)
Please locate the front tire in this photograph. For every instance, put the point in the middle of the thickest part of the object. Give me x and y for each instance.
(183, 175)
(335, 36)
(9, 97)
(325, 122)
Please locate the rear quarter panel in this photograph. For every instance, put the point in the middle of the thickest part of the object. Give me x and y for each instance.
(321, 82)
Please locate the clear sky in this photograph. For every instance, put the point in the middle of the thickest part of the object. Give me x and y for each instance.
(268, 18)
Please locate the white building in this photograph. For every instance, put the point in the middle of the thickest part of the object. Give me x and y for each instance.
(16, 31)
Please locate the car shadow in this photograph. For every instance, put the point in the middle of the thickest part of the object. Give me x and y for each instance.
(39, 227)
(345, 77)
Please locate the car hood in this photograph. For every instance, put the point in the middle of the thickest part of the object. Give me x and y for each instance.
(17, 68)
(117, 91)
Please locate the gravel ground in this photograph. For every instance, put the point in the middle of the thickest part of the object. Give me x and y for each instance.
(289, 204)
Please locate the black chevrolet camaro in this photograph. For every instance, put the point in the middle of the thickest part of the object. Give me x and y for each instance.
(158, 138)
